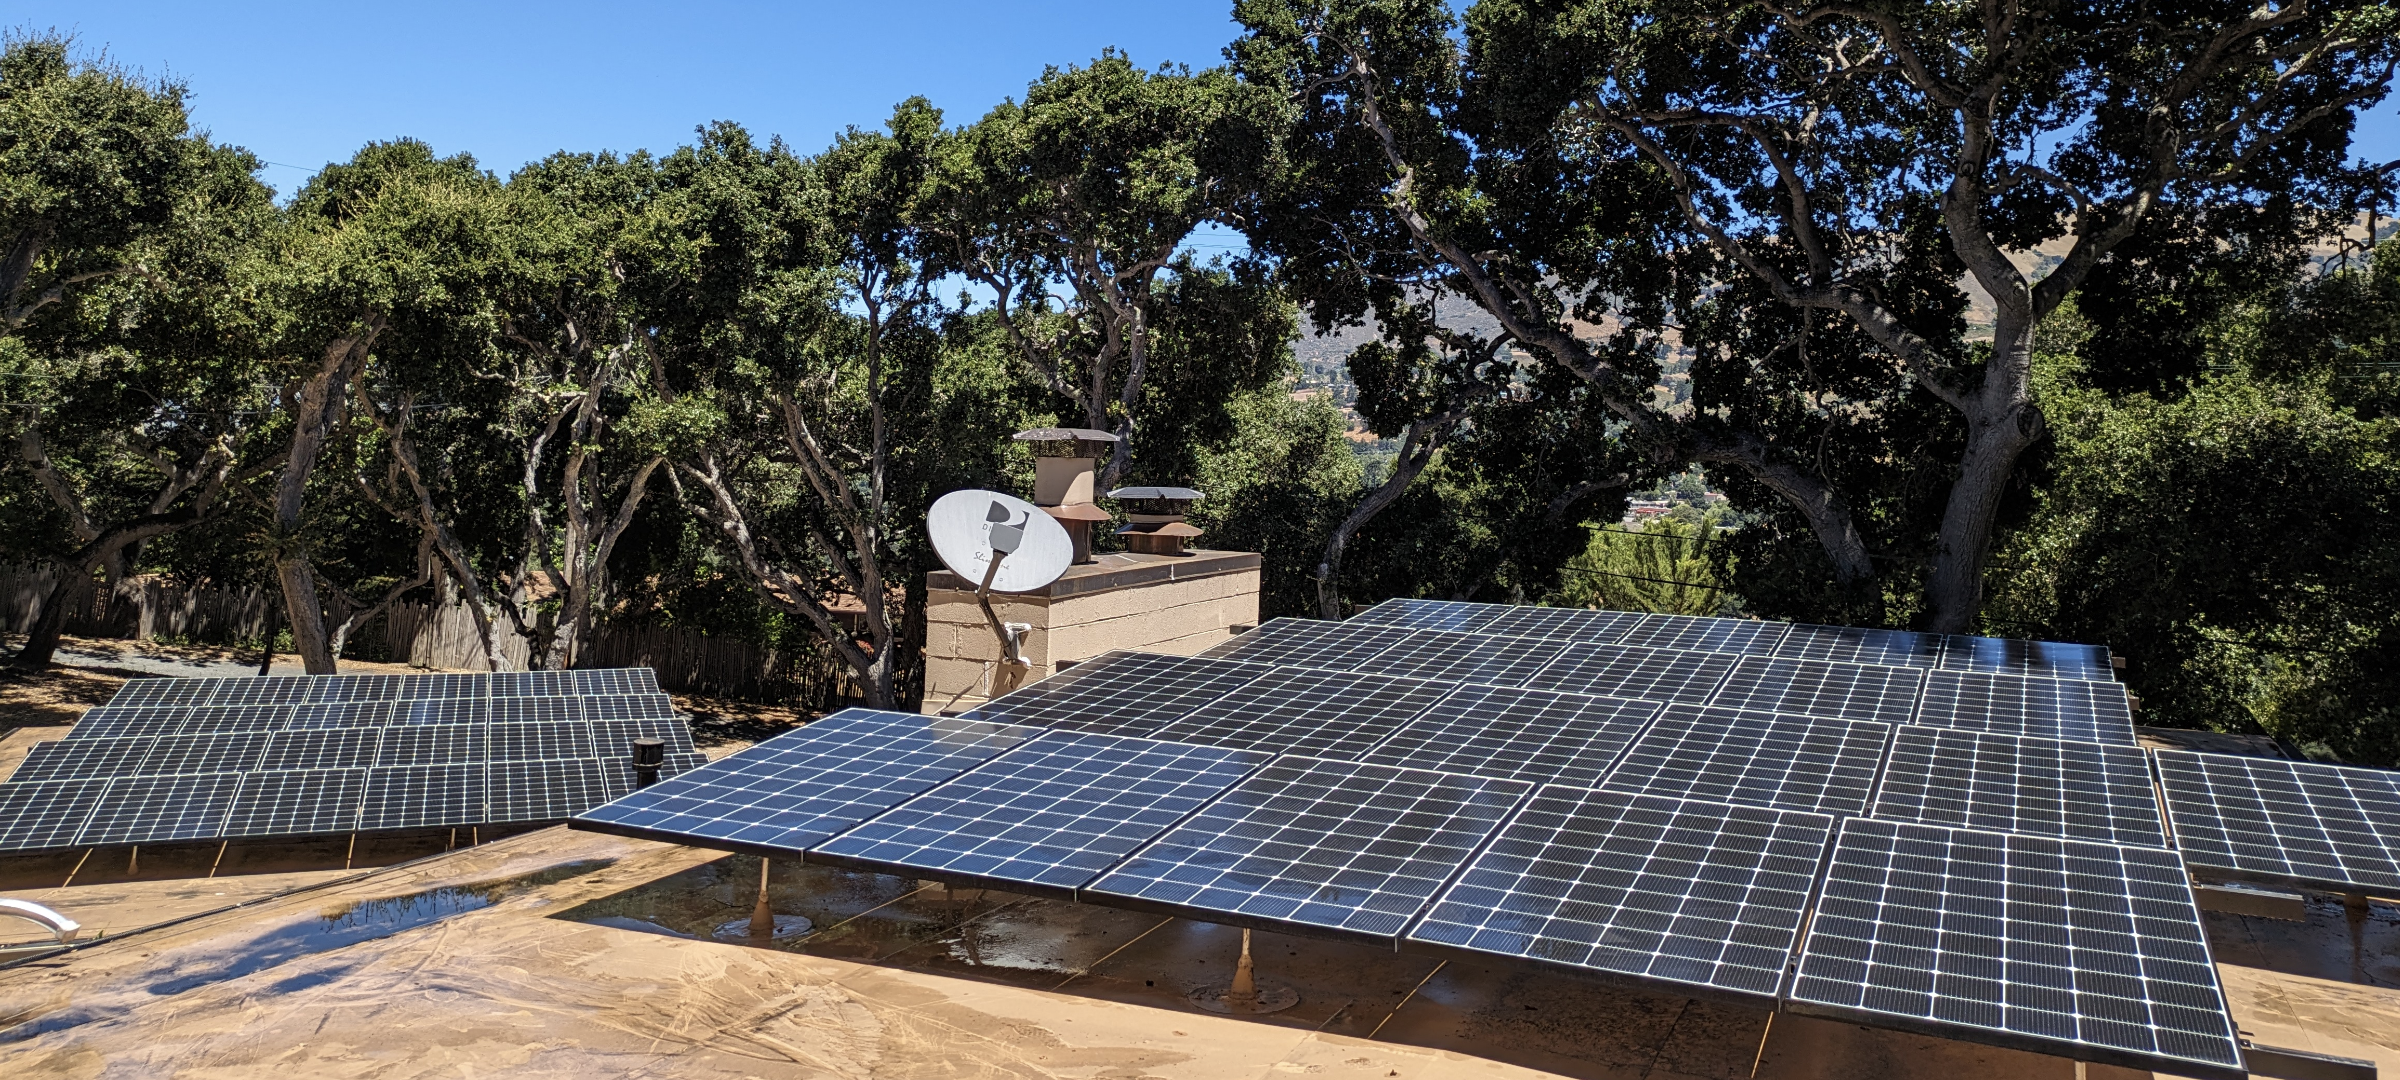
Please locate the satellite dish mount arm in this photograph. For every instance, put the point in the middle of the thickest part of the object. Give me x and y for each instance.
(1013, 665)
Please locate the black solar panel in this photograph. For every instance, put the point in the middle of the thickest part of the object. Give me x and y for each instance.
(455, 710)
(1338, 646)
(76, 759)
(1470, 658)
(548, 790)
(652, 706)
(1121, 693)
(1536, 735)
(1331, 713)
(1324, 847)
(2080, 711)
(617, 681)
(2328, 826)
(1706, 635)
(1819, 688)
(422, 796)
(506, 684)
(140, 692)
(1693, 894)
(551, 740)
(432, 744)
(449, 685)
(156, 809)
(1562, 624)
(1816, 764)
(536, 710)
(2091, 951)
(209, 718)
(1649, 674)
(2001, 656)
(1858, 645)
(800, 788)
(258, 690)
(1430, 614)
(355, 688)
(2008, 783)
(345, 714)
(1050, 814)
(614, 738)
(220, 752)
(298, 802)
(49, 814)
(322, 748)
(111, 721)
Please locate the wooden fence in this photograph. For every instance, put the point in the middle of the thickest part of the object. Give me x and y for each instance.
(429, 636)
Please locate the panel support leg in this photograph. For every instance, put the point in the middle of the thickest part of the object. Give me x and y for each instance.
(133, 864)
(87, 857)
(220, 860)
(1242, 996)
(762, 917)
(352, 853)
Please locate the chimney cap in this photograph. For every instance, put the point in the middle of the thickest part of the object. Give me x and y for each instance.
(1062, 434)
(1177, 494)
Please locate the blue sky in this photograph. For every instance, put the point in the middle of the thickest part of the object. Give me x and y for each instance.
(301, 85)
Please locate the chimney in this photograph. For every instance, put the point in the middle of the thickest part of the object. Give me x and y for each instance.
(1155, 515)
(1064, 465)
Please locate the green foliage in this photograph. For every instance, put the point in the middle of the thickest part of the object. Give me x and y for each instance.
(1666, 567)
(1277, 485)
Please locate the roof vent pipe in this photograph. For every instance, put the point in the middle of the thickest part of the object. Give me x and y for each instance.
(1065, 464)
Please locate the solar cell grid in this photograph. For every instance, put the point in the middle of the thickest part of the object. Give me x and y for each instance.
(1337, 646)
(2329, 826)
(298, 802)
(2052, 659)
(110, 721)
(321, 748)
(461, 710)
(547, 790)
(1698, 895)
(47, 814)
(797, 789)
(1860, 645)
(2006, 783)
(650, 706)
(506, 684)
(1818, 688)
(448, 685)
(75, 759)
(156, 809)
(1808, 763)
(1430, 614)
(2093, 951)
(431, 744)
(1290, 710)
(209, 718)
(256, 690)
(529, 710)
(554, 739)
(422, 796)
(140, 692)
(340, 714)
(1475, 658)
(1121, 693)
(344, 688)
(617, 681)
(1513, 734)
(2077, 710)
(1708, 635)
(1649, 674)
(1050, 814)
(218, 752)
(1562, 624)
(1326, 847)
(614, 738)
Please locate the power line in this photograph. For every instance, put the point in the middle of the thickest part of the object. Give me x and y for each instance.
(1638, 577)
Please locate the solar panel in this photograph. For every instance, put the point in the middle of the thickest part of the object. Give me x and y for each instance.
(614, 738)
(75, 759)
(422, 796)
(1050, 814)
(652, 706)
(342, 714)
(2081, 711)
(1430, 614)
(432, 744)
(2328, 826)
(155, 809)
(802, 787)
(507, 684)
(353, 688)
(47, 814)
(140, 692)
(298, 802)
(615, 681)
(1326, 847)
(1697, 895)
(322, 748)
(209, 718)
(1512, 734)
(1475, 658)
(261, 690)
(534, 710)
(219, 752)
(2002, 656)
(1706, 635)
(1339, 646)
(2008, 783)
(2091, 951)
(111, 721)
(1650, 674)
(449, 685)
(550, 740)
(1331, 713)
(1562, 624)
(548, 790)
(1121, 693)
(1817, 688)
(454, 710)
(1859, 645)
(1815, 764)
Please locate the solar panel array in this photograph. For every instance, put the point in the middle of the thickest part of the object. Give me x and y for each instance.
(208, 759)
(1927, 832)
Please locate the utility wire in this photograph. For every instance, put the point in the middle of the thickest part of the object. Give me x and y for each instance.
(1637, 577)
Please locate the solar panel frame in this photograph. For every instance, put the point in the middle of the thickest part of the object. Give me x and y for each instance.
(339, 714)
(2013, 783)
(545, 790)
(1121, 693)
(508, 684)
(114, 721)
(47, 815)
(553, 740)
(422, 797)
(415, 712)
(2072, 709)
(2304, 823)
(1512, 733)
(81, 759)
(261, 690)
(815, 782)
(1288, 847)
(1338, 714)
(1705, 899)
(1783, 684)
(431, 744)
(136, 693)
(160, 809)
(536, 710)
(1430, 614)
(1811, 764)
(209, 718)
(2015, 656)
(1561, 624)
(297, 802)
(336, 689)
(1861, 645)
(1463, 658)
(211, 752)
(1045, 817)
(314, 749)
(617, 681)
(2090, 951)
(1622, 671)
(1701, 634)
(644, 706)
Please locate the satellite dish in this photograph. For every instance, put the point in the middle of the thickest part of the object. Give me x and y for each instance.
(969, 526)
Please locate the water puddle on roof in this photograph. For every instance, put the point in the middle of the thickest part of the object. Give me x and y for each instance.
(206, 963)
